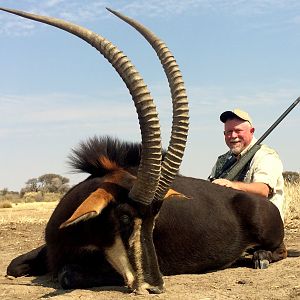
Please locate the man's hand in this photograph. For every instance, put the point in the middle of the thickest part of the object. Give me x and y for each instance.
(225, 182)
(258, 188)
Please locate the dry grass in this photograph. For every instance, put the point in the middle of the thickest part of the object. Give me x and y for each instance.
(5, 204)
(27, 213)
(10, 197)
(41, 197)
(8, 200)
(292, 201)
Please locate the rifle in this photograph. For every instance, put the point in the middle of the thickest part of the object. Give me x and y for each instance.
(232, 168)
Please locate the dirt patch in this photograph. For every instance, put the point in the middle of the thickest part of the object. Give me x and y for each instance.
(22, 229)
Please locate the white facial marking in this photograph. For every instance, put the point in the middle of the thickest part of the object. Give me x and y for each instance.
(117, 257)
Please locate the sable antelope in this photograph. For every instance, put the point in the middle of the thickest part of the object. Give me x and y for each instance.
(134, 217)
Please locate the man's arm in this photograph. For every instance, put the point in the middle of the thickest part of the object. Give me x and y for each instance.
(258, 188)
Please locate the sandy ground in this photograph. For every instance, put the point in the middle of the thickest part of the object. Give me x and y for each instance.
(22, 230)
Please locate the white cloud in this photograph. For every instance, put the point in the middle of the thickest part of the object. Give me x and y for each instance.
(59, 107)
(27, 115)
(80, 11)
(52, 3)
(16, 27)
(205, 99)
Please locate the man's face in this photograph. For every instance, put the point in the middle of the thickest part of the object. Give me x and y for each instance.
(238, 135)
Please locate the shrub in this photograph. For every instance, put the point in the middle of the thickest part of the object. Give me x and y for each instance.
(33, 197)
(52, 197)
(41, 197)
(291, 177)
(5, 204)
(4, 191)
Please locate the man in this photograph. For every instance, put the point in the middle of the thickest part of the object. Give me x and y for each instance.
(263, 174)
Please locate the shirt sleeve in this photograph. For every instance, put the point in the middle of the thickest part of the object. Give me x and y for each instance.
(267, 169)
(213, 171)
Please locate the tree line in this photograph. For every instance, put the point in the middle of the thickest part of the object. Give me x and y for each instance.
(47, 183)
(54, 183)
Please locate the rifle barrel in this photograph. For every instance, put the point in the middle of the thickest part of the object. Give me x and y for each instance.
(278, 121)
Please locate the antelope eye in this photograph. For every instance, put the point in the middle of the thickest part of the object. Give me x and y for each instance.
(125, 219)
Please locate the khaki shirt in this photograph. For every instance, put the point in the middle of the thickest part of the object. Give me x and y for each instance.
(265, 167)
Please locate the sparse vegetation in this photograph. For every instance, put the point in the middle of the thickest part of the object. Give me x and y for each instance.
(292, 196)
(5, 204)
(45, 188)
(11, 197)
(29, 197)
(41, 197)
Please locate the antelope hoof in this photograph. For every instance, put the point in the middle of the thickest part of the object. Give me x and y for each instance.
(261, 264)
(261, 259)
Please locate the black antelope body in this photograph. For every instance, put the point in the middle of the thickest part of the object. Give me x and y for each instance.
(134, 218)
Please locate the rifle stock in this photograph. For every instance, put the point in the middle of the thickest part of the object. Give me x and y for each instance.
(237, 168)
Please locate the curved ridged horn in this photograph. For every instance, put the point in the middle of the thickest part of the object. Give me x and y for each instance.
(174, 155)
(144, 189)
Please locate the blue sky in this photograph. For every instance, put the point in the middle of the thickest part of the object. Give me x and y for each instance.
(56, 90)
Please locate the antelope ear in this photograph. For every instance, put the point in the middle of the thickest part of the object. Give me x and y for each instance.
(172, 193)
(90, 207)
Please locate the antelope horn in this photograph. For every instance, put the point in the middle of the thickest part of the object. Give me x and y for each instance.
(174, 155)
(144, 189)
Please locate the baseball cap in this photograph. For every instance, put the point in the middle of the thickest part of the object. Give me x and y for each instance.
(235, 113)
